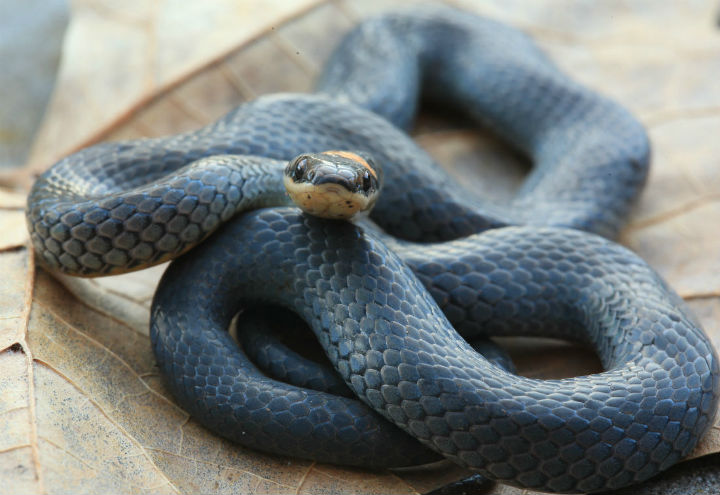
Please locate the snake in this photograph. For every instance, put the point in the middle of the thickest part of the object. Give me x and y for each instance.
(387, 295)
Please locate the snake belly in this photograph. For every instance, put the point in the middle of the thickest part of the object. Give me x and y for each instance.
(395, 348)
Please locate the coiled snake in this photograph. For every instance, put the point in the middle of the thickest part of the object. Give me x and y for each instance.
(385, 315)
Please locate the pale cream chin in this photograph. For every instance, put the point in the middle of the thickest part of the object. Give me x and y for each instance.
(326, 200)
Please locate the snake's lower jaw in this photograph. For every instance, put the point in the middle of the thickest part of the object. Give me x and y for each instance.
(327, 200)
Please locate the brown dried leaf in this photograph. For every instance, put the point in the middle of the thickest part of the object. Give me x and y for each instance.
(13, 229)
(118, 56)
(13, 232)
(83, 406)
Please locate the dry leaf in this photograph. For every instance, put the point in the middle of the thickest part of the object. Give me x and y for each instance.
(13, 232)
(84, 408)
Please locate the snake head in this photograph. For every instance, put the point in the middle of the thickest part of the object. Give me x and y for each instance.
(333, 184)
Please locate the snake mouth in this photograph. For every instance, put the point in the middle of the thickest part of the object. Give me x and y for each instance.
(327, 200)
(333, 184)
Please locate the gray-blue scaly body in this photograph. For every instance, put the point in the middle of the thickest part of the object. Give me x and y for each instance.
(115, 207)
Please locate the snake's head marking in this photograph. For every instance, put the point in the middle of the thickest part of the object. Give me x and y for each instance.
(333, 184)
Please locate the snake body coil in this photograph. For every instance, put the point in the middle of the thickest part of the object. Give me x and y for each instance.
(121, 206)
(397, 351)
(99, 211)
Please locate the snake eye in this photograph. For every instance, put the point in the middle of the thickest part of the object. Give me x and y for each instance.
(299, 169)
(367, 183)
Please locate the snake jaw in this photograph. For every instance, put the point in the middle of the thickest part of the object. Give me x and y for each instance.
(327, 200)
(333, 184)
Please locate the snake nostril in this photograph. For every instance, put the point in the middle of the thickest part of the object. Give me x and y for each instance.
(367, 183)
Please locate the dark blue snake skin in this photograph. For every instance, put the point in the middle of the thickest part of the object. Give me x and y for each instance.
(121, 206)
(397, 351)
(590, 155)
(262, 336)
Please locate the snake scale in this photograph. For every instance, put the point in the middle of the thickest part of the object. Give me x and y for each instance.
(385, 309)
